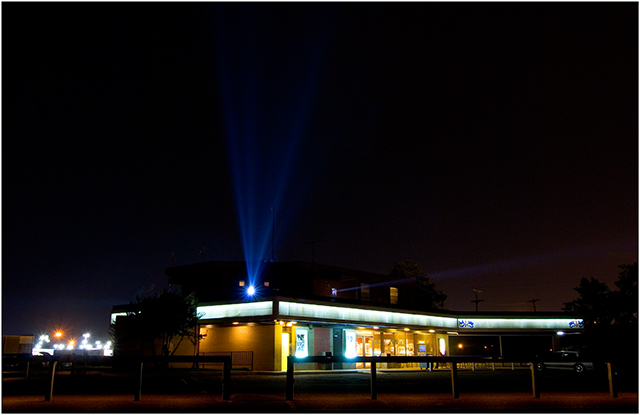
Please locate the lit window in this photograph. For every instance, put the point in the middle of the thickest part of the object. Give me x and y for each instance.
(242, 283)
(266, 283)
(393, 292)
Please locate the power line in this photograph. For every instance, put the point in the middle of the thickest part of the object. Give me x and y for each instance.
(534, 301)
(475, 290)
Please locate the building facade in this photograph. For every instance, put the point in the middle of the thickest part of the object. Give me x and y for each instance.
(305, 309)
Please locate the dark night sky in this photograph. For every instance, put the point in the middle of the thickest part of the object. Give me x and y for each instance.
(496, 144)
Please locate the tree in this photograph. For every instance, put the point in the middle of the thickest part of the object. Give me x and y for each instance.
(167, 316)
(599, 305)
(611, 317)
(427, 293)
(625, 298)
(593, 302)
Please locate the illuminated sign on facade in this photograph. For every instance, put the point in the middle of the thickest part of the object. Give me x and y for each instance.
(521, 323)
(350, 343)
(302, 343)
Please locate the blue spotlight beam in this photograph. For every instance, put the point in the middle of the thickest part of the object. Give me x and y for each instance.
(530, 261)
(382, 284)
(267, 92)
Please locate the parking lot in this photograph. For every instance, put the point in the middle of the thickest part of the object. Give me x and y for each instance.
(321, 391)
(323, 382)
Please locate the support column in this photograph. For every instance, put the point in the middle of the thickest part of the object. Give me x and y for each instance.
(226, 380)
(138, 393)
(454, 380)
(290, 379)
(534, 380)
(374, 382)
(52, 375)
(613, 391)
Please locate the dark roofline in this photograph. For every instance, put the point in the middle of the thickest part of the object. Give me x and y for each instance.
(172, 271)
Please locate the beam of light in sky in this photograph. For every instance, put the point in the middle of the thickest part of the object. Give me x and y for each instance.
(531, 261)
(381, 284)
(267, 100)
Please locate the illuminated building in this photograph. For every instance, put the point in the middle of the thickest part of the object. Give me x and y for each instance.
(310, 309)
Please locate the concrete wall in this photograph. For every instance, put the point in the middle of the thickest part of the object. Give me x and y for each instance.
(260, 339)
(322, 342)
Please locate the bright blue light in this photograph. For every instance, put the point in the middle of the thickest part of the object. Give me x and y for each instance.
(266, 113)
(251, 290)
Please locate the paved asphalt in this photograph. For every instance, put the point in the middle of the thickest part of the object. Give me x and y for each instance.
(503, 391)
(393, 403)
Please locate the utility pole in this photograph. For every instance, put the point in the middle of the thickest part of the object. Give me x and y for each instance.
(475, 290)
(534, 301)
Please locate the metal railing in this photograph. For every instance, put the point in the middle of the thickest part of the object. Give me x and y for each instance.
(239, 360)
(139, 360)
(452, 361)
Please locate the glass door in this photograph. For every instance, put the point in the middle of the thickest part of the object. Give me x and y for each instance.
(359, 350)
(364, 347)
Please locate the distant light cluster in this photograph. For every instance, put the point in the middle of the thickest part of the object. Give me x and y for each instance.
(44, 345)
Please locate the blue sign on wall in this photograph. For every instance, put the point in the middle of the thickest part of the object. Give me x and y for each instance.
(465, 324)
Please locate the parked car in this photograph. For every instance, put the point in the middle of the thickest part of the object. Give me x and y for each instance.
(565, 359)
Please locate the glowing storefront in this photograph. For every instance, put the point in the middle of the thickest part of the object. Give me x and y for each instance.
(311, 309)
(279, 327)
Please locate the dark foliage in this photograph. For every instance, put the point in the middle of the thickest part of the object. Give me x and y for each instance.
(428, 294)
(167, 316)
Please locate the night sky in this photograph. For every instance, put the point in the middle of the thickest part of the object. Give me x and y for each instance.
(496, 144)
